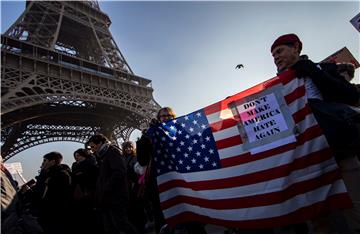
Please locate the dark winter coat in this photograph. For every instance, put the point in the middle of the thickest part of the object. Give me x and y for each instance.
(53, 193)
(84, 176)
(131, 174)
(112, 185)
(333, 86)
(57, 188)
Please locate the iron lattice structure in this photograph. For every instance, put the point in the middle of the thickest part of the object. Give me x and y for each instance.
(63, 78)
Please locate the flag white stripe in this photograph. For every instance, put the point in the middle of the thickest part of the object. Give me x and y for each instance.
(306, 123)
(315, 144)
(231, 151)
(298, 105)
(269, 186)
(262, 212)
(226, 133)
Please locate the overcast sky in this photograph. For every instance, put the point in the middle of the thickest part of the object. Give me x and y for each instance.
(190, 49)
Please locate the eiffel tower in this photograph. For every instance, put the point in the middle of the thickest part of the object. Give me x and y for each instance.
(63, 78)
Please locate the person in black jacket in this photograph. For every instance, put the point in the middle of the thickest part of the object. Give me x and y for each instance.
(84, 176)
(112, 195)
(52, 195)
(332, 99)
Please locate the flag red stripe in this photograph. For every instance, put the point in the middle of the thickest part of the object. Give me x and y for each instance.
(284, 79)
(308, 134)
(302, 113)
(223, 124)
(273, 81)
(228, 142)
(264, 199)
(340, 200)
(287, 76)
(251, 178)
(216, 107)
(297, 93)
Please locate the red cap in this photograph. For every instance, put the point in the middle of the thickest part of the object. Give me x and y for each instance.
(287, 39)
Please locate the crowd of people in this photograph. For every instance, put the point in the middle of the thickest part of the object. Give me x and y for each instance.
(111, 189)
(100, 193)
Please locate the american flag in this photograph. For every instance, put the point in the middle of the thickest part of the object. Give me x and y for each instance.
(266, 166)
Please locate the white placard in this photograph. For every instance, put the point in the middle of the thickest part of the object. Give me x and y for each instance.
(14, 168)
(262, 118)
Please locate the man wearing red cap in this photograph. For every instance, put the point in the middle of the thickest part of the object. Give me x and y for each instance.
(319, 83)
(329, 95)
(286, 51)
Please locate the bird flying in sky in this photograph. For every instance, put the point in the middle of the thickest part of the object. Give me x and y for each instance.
(239, 66)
